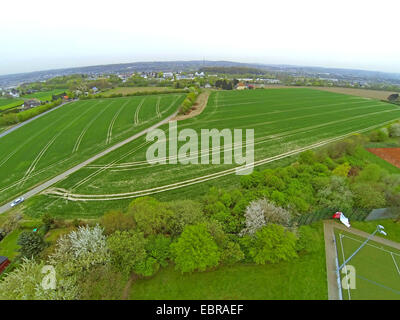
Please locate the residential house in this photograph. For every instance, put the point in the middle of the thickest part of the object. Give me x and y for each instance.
(31, 103)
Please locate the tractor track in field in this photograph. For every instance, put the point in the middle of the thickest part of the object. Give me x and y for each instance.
(158, 107)
(257, 141)
(34, 163)
(6, 158)
(111, 126)
(43, 186)
(136, 118)
(67, 195)
(79, 139)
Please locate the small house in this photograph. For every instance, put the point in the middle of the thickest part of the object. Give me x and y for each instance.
(4, 262)
(31, 103)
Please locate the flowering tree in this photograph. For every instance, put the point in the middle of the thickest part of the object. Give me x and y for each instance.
(25, 283)
(81, 249)
(262, 212)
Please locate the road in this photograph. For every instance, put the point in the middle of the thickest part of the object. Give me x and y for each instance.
(30, 120)
(65, 174)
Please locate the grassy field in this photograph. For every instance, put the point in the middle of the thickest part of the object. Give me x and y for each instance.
(69, 135)
(44, 95)
(284, 120)
(9, 103)
(302, 278)
(376, 266)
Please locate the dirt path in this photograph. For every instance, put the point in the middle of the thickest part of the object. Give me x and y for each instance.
(127, 289)
(199, 106)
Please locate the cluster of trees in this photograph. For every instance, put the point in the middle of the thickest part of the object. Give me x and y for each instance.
(226, 84)
(149, 235)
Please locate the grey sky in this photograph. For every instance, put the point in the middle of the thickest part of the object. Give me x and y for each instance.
(41, 34)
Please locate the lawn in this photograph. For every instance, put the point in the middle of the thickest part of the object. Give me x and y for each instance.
(69, 135)
(377, 272)
(8, 246)
(9, 103)
(284, 120)
(302, 278)
(44, 95)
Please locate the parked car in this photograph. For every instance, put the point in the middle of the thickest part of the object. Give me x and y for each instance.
(17, 201)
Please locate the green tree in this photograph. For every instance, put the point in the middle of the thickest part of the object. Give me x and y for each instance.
(272, 243)
(195, 249)
(117, 220)
(31, 244)
(158, 247)
(151, 216)
(128, 250)
(185, 212)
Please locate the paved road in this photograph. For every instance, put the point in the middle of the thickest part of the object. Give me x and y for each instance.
(30, 120)
(65, 174)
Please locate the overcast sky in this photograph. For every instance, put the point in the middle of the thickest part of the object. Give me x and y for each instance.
(41, 34)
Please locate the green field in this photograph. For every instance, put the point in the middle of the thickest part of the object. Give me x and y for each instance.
(9, 103)
(44, 95)
(69, 135)
(284, 120)
(377, 268)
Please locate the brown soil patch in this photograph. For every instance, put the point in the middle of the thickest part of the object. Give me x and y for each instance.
(365, 93)
(198, 107)
(391, 155)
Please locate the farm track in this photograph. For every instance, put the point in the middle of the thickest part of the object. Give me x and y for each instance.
(64, 194)
(158, 107)
(79, 139)
(110, 127)
(136, 120)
